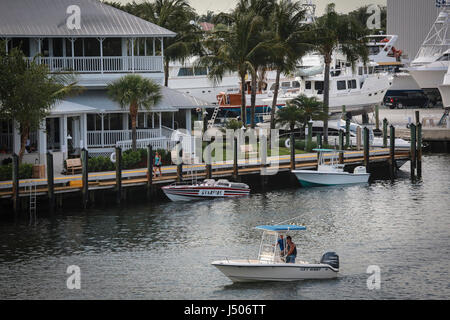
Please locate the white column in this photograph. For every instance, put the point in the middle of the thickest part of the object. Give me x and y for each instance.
(162, 47)
(64, 53)
(103, 130)
(42, 142)
(188, 120)
(101, 53)
(145, 46)
(64, 143)
(132, 54)
(16, 138)
(160, 124)
(173, 120)
(154, 47)
(153, 120)
(84, 131)
(72, 41)
(6, 44)
(145, 119)
(124, 54)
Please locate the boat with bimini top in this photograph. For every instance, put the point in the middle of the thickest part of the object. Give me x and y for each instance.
(272, 262)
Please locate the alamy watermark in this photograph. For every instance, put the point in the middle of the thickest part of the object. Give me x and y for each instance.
(374, 280)
(73, 21)
(74, 280)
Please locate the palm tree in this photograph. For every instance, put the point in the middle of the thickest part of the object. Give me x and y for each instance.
(133, 92)
(234, 49)
(337, 32)
(291, 115)
(310, 108)
(35, 92)
(176, 16)
(289, 43)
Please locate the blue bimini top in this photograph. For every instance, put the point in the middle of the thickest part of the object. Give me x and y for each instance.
(281, 228)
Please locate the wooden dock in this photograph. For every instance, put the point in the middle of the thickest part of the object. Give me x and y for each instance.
(138, 177)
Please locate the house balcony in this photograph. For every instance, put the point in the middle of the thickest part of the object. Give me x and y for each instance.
(102, 65)
(97, 72)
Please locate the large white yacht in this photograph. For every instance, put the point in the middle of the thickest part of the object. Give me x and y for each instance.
(432, 61)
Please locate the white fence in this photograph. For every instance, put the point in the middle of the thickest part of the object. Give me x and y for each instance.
(109, 138)
(102, 64)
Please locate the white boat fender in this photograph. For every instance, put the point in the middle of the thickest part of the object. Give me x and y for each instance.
(360, 170)
(112, 157)
(287, 143)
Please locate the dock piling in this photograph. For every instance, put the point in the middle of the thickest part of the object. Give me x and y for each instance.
(85, 177)
(309, 145)
(358, 138)
(366, 148)
(319, 140)
(292, 145)
(341, 146)
(419, 150)
(385, 135)
(118, 175)
(413, 149)
(149, 170)
(15, 183)
(392, 152)
(235, 160)
(347, 133)
(50, 183)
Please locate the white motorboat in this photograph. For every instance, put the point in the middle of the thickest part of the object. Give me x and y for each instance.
(208, 189)
(271, 264)
(432, 60)
(330, 173)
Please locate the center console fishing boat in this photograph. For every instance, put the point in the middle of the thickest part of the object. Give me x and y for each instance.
(208, 189)
(329, 172)
(271, 264)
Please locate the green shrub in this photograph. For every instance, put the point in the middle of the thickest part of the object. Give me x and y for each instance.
(25, 171)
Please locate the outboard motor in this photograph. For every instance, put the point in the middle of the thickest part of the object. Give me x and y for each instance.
(330, 258)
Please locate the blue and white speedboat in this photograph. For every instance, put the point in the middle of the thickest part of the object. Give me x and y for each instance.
(330, 173)
(271, 264)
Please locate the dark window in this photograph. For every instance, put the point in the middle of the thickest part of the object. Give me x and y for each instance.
(201, 71)
(308, 85)
(351, 84)
(318, 85)
(296, 84)
(112, 47)
(341, 85)
(186, 72)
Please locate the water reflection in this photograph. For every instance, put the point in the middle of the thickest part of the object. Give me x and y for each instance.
(164, 250)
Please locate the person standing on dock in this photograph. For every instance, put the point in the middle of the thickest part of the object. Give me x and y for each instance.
(158, 164)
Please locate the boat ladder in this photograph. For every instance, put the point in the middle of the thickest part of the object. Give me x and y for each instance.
(215, 113)
(32, 192)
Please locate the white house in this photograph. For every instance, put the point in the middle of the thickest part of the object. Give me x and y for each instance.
(108, 44)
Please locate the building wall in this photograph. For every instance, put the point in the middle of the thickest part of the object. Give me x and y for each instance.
(411, 20)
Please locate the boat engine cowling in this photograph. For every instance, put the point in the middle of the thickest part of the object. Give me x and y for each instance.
(330, 258)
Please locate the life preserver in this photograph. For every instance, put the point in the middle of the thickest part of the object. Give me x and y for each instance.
(287, 143)
(112, 157)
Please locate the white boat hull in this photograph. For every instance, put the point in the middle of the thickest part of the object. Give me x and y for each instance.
(310, 178)
(251, 271)
(189, 193)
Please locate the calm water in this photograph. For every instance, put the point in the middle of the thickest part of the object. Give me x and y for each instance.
(164, 251)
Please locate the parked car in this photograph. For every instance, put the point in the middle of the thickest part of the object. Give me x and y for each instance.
(406, 99)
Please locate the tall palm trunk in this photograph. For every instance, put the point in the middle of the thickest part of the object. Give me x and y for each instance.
(133, 115)
(166, 72)
(243, 101)
(275, 98)
(24, 134)
(253, 98)
(326, 97)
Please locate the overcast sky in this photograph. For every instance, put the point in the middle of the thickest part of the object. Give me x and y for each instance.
(201, 6)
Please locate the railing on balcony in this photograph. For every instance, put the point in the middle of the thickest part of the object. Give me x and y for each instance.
(103, 64)
(109, 138)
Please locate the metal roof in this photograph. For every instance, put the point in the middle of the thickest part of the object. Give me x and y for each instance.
(98, 101)
(48, 18)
